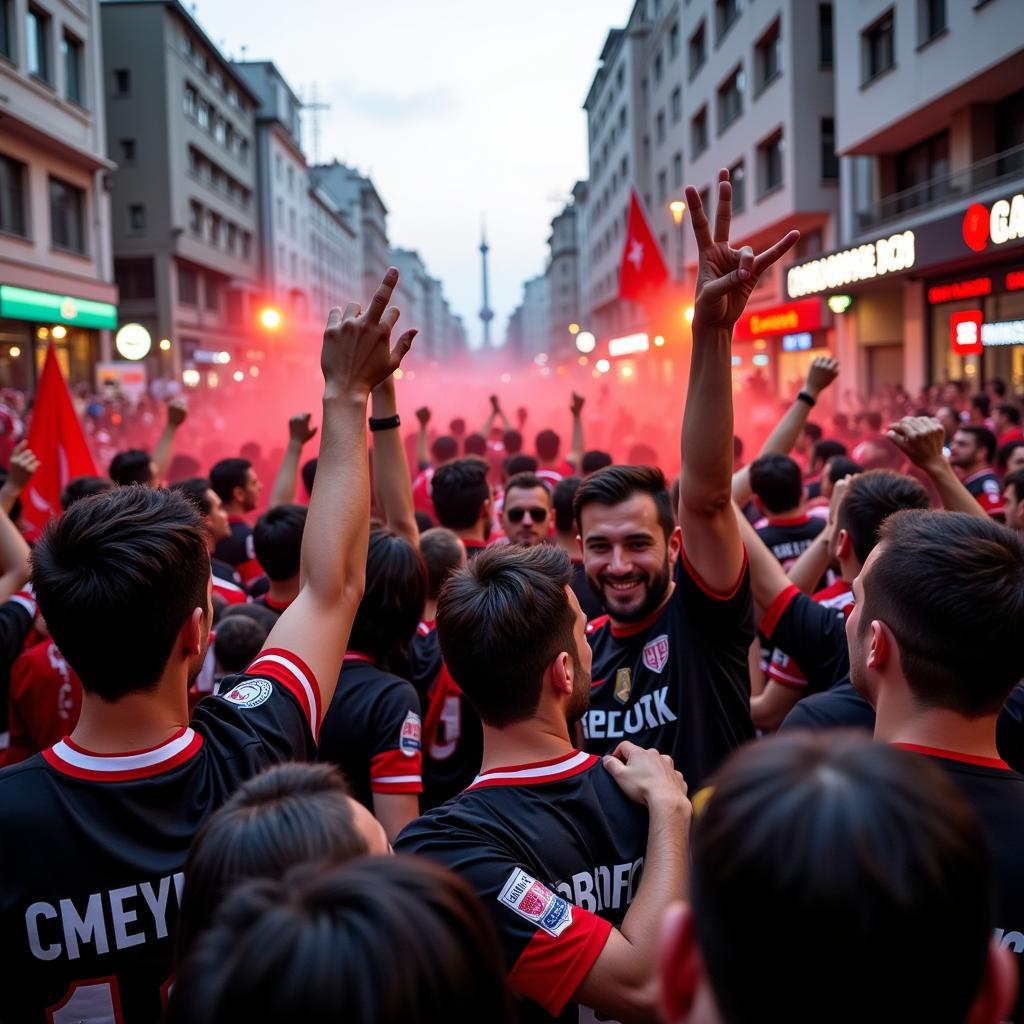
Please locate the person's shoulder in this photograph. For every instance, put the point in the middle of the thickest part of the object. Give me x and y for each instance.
(21, 792)
(601, 624)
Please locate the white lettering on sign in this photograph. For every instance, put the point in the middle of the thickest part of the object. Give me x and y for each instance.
(1006, 220)
(1003, 332)
(862, 263)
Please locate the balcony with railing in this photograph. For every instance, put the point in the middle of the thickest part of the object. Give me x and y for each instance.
(994, 170)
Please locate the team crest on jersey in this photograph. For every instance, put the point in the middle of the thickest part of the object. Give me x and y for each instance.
(250, 693)
(656, 653)
(623, 685)
(535, 902)
(409, 742)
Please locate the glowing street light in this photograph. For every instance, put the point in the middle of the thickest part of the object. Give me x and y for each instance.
(574, 328)
(238, 376)
(60, 332)
(270, 318)
(659, 341)
(678, 208)
(165, 344)
(585, 342)
(602, 365)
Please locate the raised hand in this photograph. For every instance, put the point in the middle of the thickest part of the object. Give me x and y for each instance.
(423, 415)
(821, 375)
(177, 412)
(577, 404)
(357, 353)
(299, 430)
(725, 276)
(495, 404)
(24, 463)
(920, 438)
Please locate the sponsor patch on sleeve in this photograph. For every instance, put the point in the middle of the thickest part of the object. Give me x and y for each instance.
(249, 693)
(535, 902)
(410, 741)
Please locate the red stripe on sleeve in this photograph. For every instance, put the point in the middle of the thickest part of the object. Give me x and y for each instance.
(391, 771)
(714, 594)
(778, 607)
(550, 970)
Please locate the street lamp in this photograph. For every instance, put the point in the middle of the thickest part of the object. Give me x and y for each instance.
(678, 210)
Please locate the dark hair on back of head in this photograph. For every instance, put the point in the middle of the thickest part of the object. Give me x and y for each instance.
(289, 814)
(277, 540)
(84, 487)
(950, 586)
(982, 402)
(548, 444)
(616, 484)
(1004, 453)
(228, 474)
(320, 945)
(871, 498)
(444, 449)
(512, 440)
(813, 431)
(195, 489)
(777, 482)
(261, 614)
(475, 444)
(837, 850)
(501, 621)
(308, 472)
(594, 460)
(459, 489)
(828, 449)
(1011, 411)
(562, 498)
(842, 466)
(983, 437)
(135, 560)
(521, 463)
(133, 466)
(239, 639)
(442, 553)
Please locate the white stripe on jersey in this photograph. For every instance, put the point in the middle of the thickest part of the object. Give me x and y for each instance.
(124, 762)
(536, 773)
(302, 679)
(397, 778)
(219, 581)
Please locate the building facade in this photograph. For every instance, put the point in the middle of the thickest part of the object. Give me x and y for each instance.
(563, 281)
(56, 269)
(336, 276)
(181, 126)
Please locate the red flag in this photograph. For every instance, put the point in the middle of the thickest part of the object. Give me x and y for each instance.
(643, 271)
(56, 437)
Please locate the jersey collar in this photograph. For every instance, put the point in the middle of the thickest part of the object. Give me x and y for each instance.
(956, 755)
(539, 773)
(68, 758)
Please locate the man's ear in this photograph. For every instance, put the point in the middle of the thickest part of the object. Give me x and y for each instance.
(998, 992)
(680, 969)
(675, 545)
(882, 647)
(192, 632)
(560, 672)
(843, 545)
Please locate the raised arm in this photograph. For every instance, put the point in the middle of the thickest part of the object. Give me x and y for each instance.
(780, 441)
(390, 470)
(811, 565)
(355, 358)
(496, 413)
(177, 412)
(14, 559)
(725, 279)
(24, 464)
(767, 577)
(921, 438)
(299, 432)
(578, 443)
(422, 442)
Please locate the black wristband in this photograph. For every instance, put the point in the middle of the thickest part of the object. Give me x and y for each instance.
(385, 422)
(809, 399)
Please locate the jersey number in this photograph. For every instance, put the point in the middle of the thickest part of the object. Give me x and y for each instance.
(96, 1001)
(451, 723)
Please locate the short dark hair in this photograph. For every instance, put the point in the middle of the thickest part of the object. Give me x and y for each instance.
(983, 438)
(512, 441)
(228, 474)
(1016, 481)
(998, 385)
(982, 402)
(84, 487)
(548, 444)
(594, 460)
(873, 497)
(527, 482)
(830, 848)
(813, 431)
(777, 482)
(1011, 411)
(827, 449)
(182, 467)
(392, 604)
(444, 449)
(563, 498)
(195, 488)
(238, 640)
(459, 489)
(290, 814)
(277, 540)
(458, 427)
(475, 444)
(134, 560)
(1004, 453)
(424, 520)
(950, 586)
(308, 472)
(521, 463)
(312, 945)
(133, 466)
(501, 621)
(869, 416)
(442, 553)
(616, 484)
(259, 613)
(841, 466)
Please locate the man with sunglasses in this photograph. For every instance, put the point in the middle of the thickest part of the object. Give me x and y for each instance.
(527, 515)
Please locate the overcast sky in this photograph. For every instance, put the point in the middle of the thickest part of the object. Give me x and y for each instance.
(455, 108)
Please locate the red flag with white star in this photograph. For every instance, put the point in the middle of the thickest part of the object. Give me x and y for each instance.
(643, 272)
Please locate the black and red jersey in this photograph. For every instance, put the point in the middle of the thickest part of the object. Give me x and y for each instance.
(788, 539)
(555, 851)
(266, 601)
(987, 491)
(373, 731)
(784, 669)
(452, 735)
(473, 547)
(16, 618)
(238, 551)
(94, 846)
(680, 681)
(227, 583)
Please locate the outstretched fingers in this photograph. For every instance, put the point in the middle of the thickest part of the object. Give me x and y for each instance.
(742, 275)
(723, 213)
(699, 219)
(777, 251)
(401, 349)
(382, 297)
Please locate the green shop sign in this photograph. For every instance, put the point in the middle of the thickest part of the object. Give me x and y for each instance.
(46, 307)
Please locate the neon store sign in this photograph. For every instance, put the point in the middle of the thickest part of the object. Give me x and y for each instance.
(861, 263)
(999, 223)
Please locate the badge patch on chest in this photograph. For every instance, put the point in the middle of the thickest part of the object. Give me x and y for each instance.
(534, 901)
(656, 653)
(623, 685)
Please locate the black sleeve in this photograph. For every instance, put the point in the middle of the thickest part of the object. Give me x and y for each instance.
(839, 708)
(812, 634)
(396, 746)
(1010, 729)
(16, 617)
(720, 618)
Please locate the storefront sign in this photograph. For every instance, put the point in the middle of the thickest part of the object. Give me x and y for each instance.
(128, 379)
(47, 307)
(797, 342)
(863, 263)
(789, 319)
(999, 223)
(1015, 280)
(965, 332)
(1003, 332)
(960, 290)
(628, 345)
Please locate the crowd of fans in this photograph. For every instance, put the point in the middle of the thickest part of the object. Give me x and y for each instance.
(524, 732)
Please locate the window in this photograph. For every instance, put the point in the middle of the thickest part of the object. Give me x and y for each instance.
(246, 245)
(738, 177)
(677, 105)
(195, 218)
(622, 119)
(673, 41)
(662, 186)
(188, 287)
(829, 159)
(291, 224)
(768, 57)
(203, 114)
(280, 214)
(37, 42)
(769, 164)
(659, 128)
(232, 238)
(698, 50)
(128, 151)
(658, 68)
(677, 171)
(291, 179)
(136, 217)
(878, 50)
(278, 166)
(215, 223)
(191, 101)
(135, 279)
(931, 20)
(730, 99)
(220, 130)
(923, 168)
(699, 131)
(213, 290)
(67, 216)
(6, 29)
(13, 179)
(74, 55)
(233, 97)
(825, 35)
(726, 13)
(243, 150)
